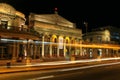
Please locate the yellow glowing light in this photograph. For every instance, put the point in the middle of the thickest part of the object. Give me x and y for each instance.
(107, 46)
(107, 32)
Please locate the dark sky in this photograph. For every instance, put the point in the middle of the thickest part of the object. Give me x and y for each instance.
(96, 13)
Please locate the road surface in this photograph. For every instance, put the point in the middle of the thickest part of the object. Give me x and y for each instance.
(106, 71)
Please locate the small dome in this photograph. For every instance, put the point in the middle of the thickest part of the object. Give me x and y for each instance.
(6, 8)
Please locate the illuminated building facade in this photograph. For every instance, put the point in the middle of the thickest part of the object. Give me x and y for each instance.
(57, 35)
(49, 36)
(103, 35)
(15, 37)
(46, 36)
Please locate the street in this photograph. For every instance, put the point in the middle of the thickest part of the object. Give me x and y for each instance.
(104, 71)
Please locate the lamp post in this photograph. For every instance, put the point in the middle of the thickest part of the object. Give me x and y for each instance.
(86, 25)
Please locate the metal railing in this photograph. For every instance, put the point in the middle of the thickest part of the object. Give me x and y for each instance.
(15, 29)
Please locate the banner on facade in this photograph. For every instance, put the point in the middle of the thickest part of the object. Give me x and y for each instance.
(60, 43)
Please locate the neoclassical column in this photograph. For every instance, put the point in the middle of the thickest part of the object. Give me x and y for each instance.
(51, 47)
(28, 49)
(58, 46)
(80, 47)
(70, 45)
(39, 51)
(40, 45)
(14, 51)
(64, 46)
(43, 46)
(28, 52)
(75, 47)
(17, 49)
(25, 49)
(35, 51)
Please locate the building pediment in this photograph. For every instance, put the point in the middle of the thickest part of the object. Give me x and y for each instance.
(52, 19)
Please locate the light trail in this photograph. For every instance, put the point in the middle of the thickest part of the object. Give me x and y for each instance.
(72, 69)
(108, 46)
(64, 62)
(89, 45)
(85, 67)
(43, 77)
(70, 62)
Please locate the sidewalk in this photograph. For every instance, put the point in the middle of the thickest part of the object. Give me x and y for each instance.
(50, 65)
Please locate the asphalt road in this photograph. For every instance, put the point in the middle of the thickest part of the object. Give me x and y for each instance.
(108, 71)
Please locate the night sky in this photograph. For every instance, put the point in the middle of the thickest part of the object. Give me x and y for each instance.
(96, 13)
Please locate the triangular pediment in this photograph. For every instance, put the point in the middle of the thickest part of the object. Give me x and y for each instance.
(53, 19)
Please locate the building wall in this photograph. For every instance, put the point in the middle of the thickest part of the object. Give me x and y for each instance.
(9, 14)
(102, 36)
(16, 40)
(59, 38)
(98, 36)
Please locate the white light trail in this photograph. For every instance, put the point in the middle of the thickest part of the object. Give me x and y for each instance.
(70, 62)
(85, 67)
(65, 62)
(43, 77)
(72, 69)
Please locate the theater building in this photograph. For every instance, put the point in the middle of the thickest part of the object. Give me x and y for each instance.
(14, 34)
(46, 36)
(58, 36)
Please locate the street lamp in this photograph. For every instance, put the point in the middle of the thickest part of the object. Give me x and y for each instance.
(86, 25)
